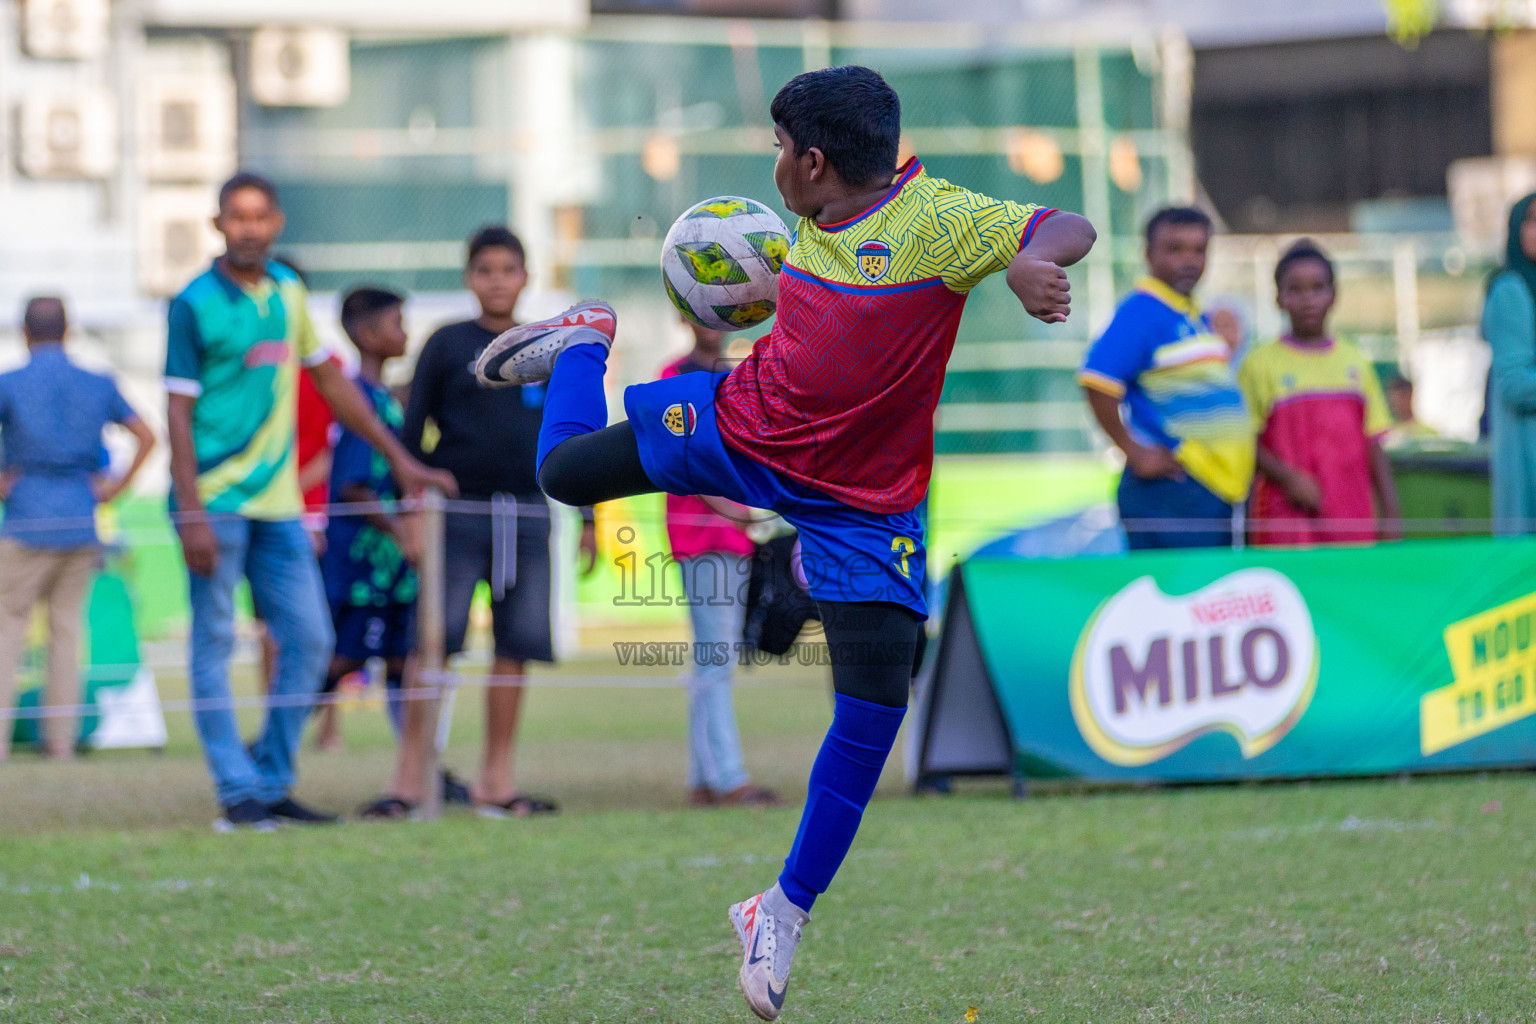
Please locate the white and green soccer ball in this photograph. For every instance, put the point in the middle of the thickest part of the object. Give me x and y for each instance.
(721, 260)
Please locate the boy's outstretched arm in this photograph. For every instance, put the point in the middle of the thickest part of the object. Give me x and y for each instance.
(1035, 275)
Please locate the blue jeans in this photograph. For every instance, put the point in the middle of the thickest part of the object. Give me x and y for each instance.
(285, 584)
(1167, 513)
(715, 585)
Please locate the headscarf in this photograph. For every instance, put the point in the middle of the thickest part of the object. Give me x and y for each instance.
(1515, 259)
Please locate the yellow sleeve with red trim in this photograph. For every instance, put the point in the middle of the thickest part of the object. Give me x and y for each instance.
(976, 236)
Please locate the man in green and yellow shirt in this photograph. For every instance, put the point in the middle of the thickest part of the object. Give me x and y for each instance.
(238, 336)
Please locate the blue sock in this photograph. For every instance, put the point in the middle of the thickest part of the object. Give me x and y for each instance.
(842, 781)
(575, 402)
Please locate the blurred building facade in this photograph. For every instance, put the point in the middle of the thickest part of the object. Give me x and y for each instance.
(395, 128)
(393, 132)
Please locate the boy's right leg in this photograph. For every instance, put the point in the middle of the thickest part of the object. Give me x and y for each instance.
(582, 460)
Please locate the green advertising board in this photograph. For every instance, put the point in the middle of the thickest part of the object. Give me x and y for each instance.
(1214, 665)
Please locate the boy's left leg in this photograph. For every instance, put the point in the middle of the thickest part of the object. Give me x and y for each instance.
(866, 572)
(872, 645)
(328, 734)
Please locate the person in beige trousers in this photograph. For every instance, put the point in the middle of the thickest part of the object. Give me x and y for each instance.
(51, 418)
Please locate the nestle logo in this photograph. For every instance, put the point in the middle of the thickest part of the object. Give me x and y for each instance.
(266, 353)
(1234, 608)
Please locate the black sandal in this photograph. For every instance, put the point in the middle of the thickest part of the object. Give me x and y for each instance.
(387, 808)
(520, 806)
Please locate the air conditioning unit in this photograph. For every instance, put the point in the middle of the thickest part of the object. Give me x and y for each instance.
(300, 67)
(64, 29)
(176, 237)
(187, 126)
(1482, 189)
(67, 134)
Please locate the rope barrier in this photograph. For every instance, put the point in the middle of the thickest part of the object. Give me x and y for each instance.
(451, 681)
(1466, 525)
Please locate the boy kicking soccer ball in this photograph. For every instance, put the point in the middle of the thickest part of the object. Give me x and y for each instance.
(829, 422)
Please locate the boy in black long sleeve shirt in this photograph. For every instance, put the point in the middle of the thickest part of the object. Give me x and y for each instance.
(488, 439)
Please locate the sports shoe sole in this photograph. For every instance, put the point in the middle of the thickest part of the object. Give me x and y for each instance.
(526, 354)
(224, 826)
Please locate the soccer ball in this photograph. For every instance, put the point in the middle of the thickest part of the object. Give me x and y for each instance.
(721, 260)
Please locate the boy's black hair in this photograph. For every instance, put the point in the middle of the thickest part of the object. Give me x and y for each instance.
(849, 113)
(1303, 249)
(494, 236)
(244, 180)
(1177, 215)
(45, 319)
(363, 304)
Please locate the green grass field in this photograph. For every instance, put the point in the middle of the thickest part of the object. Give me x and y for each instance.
(1373, 900)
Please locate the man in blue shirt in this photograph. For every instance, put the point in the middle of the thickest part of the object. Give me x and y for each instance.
(1160, 384)
(51, 417)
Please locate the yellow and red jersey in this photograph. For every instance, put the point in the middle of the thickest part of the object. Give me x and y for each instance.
(1319, 409)
(840, 396)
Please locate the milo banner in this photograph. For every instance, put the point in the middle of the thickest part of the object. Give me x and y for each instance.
(1212, 665)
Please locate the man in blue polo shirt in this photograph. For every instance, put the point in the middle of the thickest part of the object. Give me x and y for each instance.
(1185, 432)
(51, 417)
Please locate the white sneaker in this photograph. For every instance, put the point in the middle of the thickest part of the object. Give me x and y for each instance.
(526, 354)
(768, 926)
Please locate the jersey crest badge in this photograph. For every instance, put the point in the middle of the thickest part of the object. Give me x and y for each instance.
(874, 259)
(680, 419)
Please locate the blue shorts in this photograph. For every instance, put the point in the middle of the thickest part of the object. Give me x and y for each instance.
(364, 632)
(847, 554)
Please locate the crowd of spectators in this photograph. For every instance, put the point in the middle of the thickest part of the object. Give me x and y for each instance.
(290, 473)
(1226, 439)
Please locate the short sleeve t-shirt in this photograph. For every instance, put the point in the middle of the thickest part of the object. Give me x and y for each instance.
(1174, 377)
(1319, 409)
(51, 417)
(695, 526)
(362, 566)
(238, 352)
(840, 395)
